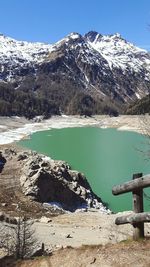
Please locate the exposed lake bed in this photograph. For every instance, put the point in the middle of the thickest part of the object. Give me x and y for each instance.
(15, 128)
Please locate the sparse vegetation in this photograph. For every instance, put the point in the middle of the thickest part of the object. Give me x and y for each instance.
(141, 106)
(19, 240)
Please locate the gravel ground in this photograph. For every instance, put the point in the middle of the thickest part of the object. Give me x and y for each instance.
(80, 228)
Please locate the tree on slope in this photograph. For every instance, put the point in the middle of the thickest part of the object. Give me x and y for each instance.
(19, 240)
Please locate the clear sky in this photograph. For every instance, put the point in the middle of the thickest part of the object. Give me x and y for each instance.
(50, 20)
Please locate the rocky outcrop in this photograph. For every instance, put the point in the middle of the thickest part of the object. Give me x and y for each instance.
(2, 161)
(6, 218)
(50, 181)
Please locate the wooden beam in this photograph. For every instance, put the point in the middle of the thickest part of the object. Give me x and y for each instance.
(139, 183)
(133, 218)
(137, 194)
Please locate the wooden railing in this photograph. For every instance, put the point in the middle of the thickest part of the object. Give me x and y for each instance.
(138, 217)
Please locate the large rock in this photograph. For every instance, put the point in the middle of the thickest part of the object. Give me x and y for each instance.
(46, 180)
(2, 161)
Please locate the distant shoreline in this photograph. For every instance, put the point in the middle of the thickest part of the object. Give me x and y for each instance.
(13, 129)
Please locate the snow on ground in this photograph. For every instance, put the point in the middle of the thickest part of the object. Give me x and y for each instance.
(9, 133)
(20, 51)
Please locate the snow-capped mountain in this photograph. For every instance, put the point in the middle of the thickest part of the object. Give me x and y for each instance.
(18, 55)
(107, 67)
(118, 52)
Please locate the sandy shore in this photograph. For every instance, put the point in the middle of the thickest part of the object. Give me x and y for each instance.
(15, 128)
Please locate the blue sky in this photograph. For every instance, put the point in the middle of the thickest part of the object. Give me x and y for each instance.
(50, 20)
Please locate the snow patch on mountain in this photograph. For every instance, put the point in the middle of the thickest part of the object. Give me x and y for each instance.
(68, 38)
(22, 51)
(119, 53)
(97, 58)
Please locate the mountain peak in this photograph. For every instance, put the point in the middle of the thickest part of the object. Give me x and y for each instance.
(93, 36)
(118, 35)
(74, 35)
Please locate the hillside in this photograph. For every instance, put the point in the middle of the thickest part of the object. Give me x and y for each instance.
(118, 255)
(141, 106)
(90, 74)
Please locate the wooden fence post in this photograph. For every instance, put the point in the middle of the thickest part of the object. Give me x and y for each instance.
(138, 208)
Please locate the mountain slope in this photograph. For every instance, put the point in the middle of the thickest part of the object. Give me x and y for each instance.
(141, 106)
(79, 74)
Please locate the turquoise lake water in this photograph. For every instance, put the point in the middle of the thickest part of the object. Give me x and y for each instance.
(106, 156)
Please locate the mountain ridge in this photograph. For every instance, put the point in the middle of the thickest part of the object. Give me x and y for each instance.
(96, 72)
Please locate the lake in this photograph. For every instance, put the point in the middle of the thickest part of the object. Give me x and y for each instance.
(106, 156)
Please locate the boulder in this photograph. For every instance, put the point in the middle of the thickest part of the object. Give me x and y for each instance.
(22, 156)
(45, 219)
(51, 181)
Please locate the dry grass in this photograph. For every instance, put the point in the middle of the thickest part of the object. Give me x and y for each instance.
(135, 254)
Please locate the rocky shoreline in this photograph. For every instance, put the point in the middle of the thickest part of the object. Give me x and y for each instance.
(53, 182)
(49, 182)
